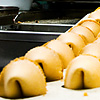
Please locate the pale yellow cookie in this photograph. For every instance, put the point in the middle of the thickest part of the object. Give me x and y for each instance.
(95, 15)
(92, 49)
(73, 40)
(49, 60)
(22, 78)
(83, 31)
(83, 72)
(64, 51)
(92, 24)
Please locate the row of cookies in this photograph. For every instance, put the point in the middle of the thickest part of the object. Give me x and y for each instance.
(84, 70)
(26, 76)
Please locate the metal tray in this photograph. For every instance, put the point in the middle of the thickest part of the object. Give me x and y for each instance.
(16, 43)
(43, 27)
(7, 19)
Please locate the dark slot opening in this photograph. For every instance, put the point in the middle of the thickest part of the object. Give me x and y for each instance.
(70, 45)
(82, 73)
(20, 89)
(41, 65)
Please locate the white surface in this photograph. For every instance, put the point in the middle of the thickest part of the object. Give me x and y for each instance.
(22, 4)
(57, 92)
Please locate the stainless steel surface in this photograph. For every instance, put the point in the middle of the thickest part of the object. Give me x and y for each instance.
(43, 27)
(8, 10)
(16, 43)
(7, 19)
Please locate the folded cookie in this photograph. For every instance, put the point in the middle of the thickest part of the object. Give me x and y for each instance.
(49, 60)
(92, 24)
(95, 15)
(92, 49)
(74, 41)
(64, 51)
(83, 72)
(22, 78)
(84, 32)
